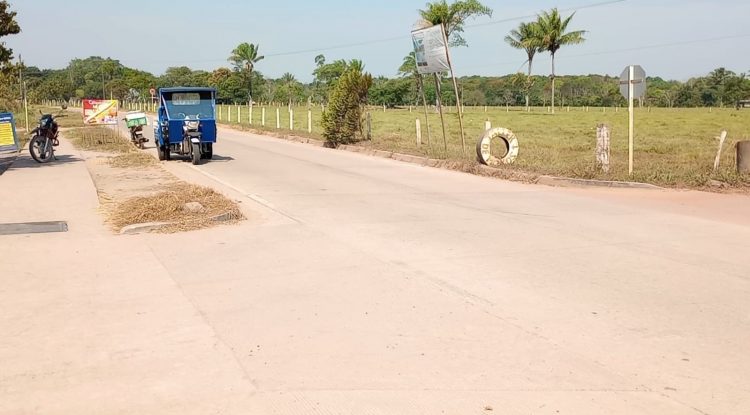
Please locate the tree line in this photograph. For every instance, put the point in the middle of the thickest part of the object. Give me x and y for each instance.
(241, 82)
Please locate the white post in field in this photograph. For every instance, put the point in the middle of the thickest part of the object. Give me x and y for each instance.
(309, 121)
(487, 125)
(250, 118)
(419, 133)
(291, 119)
(239, 115)
(263, 116)
(229, 112)
(278, 119)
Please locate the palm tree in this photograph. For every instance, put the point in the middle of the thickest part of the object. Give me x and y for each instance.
(289, 83)
(453, 16)
(552, 36)
(527, 38)
(244, 57)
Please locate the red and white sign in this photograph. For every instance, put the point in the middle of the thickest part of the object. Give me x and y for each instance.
(100, 111)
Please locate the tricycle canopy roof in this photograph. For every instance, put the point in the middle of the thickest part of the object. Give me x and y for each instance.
(187, 89)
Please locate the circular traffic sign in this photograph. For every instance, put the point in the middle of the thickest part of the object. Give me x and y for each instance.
(152, 91)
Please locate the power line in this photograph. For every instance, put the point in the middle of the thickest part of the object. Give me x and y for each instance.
(402, 37)
(632, 49)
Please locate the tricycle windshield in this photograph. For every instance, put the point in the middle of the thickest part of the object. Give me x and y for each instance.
(189, 105)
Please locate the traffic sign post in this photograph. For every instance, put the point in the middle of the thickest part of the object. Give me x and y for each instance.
(632, 86)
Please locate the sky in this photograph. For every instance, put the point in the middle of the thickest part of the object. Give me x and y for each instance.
(673, 39)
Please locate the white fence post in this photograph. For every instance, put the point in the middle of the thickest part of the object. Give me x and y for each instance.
(291, 119)
(487, 125)
(309, 121)
(278, 119)
(250, 119)
(239, 115)
(229, 112)
(263, 116)
(419, 133)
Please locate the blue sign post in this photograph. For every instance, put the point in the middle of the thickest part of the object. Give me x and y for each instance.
(8, 137)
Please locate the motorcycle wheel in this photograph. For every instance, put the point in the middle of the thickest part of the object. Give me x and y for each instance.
(196, 154)
(41, 149)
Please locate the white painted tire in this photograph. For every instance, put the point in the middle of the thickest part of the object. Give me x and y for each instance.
(495, 136)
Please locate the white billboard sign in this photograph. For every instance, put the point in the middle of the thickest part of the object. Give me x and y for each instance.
(431, 50)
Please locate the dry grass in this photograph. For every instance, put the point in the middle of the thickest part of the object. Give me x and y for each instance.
(132, 159)
(168, 206)
(99, 138)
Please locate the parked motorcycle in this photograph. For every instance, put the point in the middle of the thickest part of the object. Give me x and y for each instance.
(135, 122)
(44, 140)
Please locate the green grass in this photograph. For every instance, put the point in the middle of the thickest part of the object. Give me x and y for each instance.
(673, 147)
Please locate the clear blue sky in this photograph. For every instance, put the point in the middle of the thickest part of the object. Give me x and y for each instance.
(155, 34)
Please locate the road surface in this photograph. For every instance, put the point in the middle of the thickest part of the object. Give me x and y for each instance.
(362, 285)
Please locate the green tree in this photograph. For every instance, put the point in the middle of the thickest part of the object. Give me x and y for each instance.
(327, 74)
(343, 119)
(553, 35)
(453, 16)
(526, 38)
(244, 57)
(408, 69)
(290, 89)
(8, 26)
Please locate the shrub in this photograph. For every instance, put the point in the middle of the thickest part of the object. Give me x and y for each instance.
(343, 119)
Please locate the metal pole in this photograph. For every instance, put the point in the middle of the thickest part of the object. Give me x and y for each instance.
(26, 105)
(631, 119)
(455, 88)
(440, 109)
(424, 102)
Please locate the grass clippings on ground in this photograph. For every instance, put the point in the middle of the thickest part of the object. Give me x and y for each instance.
(132, 159)
(169, 206)
(100, 139)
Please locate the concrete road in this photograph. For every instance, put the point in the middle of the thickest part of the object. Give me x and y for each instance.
(369, 286)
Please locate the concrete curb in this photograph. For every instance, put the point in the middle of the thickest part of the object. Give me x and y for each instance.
(153, 226)
(143, 228)
(569, 182)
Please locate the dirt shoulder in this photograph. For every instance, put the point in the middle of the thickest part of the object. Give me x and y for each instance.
(137, 194)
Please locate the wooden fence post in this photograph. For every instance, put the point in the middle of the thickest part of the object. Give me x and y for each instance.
(721, 138)
(602, 147)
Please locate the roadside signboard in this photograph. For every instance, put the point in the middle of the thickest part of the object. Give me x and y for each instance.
(8, 137)
(431, 50)
(100, 111)
(638, 80)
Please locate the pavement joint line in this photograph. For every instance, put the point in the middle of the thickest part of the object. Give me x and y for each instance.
(253, 197)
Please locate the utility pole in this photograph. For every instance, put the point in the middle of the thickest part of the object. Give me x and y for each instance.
(24, 92)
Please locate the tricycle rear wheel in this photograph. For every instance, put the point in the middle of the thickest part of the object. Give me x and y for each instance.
(196, 154)
(163, 153)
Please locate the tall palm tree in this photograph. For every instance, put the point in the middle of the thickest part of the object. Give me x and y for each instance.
(526, 38)
(453, 16)
(290, 84)
(553, 36)
(244, 57)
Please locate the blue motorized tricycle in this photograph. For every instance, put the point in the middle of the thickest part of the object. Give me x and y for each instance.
(186, 124)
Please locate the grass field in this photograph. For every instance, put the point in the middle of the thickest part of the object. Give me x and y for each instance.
(673, 147)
